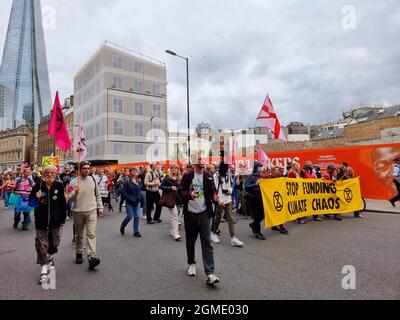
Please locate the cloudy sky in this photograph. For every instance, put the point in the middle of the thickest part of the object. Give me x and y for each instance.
(312, 57)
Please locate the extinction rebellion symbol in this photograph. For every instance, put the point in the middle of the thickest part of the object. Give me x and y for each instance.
(278, 201)
(348, 195)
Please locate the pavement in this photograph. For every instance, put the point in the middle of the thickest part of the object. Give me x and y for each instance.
(382, 206)
(305, 265)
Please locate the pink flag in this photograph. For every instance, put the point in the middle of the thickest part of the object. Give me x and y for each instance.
(80, 143)
(269, 118)
(58, 127)
(262, 156)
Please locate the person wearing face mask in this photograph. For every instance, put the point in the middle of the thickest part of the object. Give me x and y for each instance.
(50, 216)
(254, 197)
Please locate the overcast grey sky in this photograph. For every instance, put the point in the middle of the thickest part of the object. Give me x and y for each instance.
(297, 51)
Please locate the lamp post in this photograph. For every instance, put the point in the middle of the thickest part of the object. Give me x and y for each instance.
(187, 97)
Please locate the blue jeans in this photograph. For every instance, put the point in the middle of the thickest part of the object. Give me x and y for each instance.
(132, 211)
(6, 196)
(27, 219)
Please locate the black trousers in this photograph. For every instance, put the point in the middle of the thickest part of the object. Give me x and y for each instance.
(396, 198)
(153, 197)
(196, 224)
(121, 202)
(257, 210)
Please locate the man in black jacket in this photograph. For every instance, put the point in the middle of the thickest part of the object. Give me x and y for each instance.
(198, 193)
(50, 215)
(254, 197)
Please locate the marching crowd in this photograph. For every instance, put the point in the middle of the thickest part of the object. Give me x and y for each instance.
(198, 196)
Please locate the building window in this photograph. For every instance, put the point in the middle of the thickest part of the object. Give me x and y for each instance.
(139, 130)
(139, 149)
(156, 89)
(118, 148)
(117, 62)
(118, 127)
(97, 130)
(138, 67)
(156, 126)
(156, 110)
(118, 105)
(117, 82)
(138, 86)
(97, 150)
(97, 110)
(139, 108)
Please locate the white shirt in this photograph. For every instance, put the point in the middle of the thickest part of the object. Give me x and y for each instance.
(225, 184)
(198, 205)
(102, 183)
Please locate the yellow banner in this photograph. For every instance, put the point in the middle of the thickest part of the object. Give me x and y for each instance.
(289, 199)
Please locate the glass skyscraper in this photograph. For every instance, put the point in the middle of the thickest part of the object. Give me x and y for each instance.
(24, 78)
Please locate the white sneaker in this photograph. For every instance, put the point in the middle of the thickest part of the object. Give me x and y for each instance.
(192, 270)
(212, 279)
(178, 238)
(214, 238)
(236, 242)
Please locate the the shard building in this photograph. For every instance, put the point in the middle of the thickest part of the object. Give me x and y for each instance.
(24, 78)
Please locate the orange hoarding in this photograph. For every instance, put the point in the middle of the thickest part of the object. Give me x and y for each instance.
(372, 163)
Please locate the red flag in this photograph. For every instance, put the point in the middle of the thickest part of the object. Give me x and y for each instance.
(262, 156)
(269, 118)
(58, 127)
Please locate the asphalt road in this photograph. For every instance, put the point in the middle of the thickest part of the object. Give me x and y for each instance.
(307, 264)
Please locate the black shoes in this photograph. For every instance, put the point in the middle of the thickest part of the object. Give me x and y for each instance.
(79, 258)
(338, 218)
(150, 222)
(93, 263)
(137, 235)
(251, 225)
(393, 203)
(260, 236)
(157, 221)
(15, 226)
(122, 230)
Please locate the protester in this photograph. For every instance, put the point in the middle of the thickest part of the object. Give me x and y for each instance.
(198, 193)
(142, 177)
(87, 207)
(50, 215)
(133, 196)
(170, 185)
(102, 183)
(275, 174)
(121, 180)
(331, 175)
(7, 188)
(396, 181)
(308, 173)
(294, 173)
(223, 182)
(23, 188)
(153, 182)
(253, 195)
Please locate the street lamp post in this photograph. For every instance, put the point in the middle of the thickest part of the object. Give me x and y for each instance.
(187, 97)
